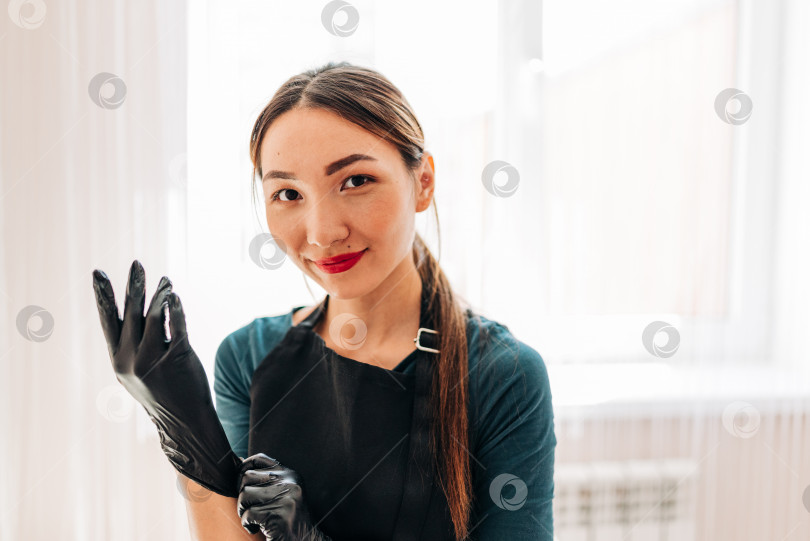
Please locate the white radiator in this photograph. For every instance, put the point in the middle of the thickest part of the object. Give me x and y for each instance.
(632, 500)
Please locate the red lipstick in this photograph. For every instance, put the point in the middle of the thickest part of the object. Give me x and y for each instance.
(339, 263)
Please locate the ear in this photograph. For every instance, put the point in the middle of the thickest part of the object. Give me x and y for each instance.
(425, 183)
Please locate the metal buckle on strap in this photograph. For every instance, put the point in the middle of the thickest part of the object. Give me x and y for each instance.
(418, 338)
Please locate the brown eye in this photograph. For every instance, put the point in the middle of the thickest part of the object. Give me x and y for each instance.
(366, 177)
(276, 195)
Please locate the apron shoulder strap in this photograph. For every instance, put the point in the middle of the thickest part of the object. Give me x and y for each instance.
(419, 479)
(315, 315)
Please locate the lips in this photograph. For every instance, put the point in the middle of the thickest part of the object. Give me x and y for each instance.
(338, 258)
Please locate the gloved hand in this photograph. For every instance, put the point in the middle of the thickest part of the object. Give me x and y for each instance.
(271, 500)
(167, 379)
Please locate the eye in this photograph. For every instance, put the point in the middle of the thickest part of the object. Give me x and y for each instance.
(368, 178)
(275, 196)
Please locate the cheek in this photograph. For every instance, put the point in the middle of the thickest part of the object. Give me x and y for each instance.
(382, 216)
(387, 224)
(281, 232)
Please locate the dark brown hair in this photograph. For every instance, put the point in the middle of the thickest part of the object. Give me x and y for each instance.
(368, 99)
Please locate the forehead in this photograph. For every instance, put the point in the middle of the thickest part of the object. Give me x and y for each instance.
(310, 138)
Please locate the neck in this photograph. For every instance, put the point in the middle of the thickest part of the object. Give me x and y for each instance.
(389, 311)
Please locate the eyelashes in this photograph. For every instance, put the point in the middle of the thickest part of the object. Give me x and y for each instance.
(368, 179)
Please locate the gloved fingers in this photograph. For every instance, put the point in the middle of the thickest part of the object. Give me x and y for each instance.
(154, 331)
(177, 318)
(132, 331)
(259, 478)
(258, 461)
(254, 522)
(261, 498)
(107, 310)
(263, 515)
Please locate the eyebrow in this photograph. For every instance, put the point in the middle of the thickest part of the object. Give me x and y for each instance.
(329, 170)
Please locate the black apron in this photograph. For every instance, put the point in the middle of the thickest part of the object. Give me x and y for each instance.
(357, 434)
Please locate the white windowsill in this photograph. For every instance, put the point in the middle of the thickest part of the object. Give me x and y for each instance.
(661, 389)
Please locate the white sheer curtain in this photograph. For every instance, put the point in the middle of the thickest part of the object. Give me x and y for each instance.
(93, 120)
(636, 203)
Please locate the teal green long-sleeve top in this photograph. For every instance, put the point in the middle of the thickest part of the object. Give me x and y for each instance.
(511, 420)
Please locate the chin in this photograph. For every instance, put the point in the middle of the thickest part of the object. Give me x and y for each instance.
(344, 291)
(342, 288)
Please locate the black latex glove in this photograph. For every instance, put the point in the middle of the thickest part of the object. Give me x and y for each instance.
(271, 500)
(167, 379)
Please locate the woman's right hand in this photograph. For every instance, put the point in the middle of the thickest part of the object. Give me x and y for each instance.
(271, 501)
(167, 378)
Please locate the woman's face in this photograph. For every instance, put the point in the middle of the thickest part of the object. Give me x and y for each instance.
(321, 204)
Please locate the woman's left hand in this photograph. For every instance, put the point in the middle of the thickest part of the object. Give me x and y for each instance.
(271, 500)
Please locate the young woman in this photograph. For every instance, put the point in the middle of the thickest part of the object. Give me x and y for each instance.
(389, 410)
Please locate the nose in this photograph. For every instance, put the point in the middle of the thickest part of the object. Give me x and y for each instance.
(325, 225)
